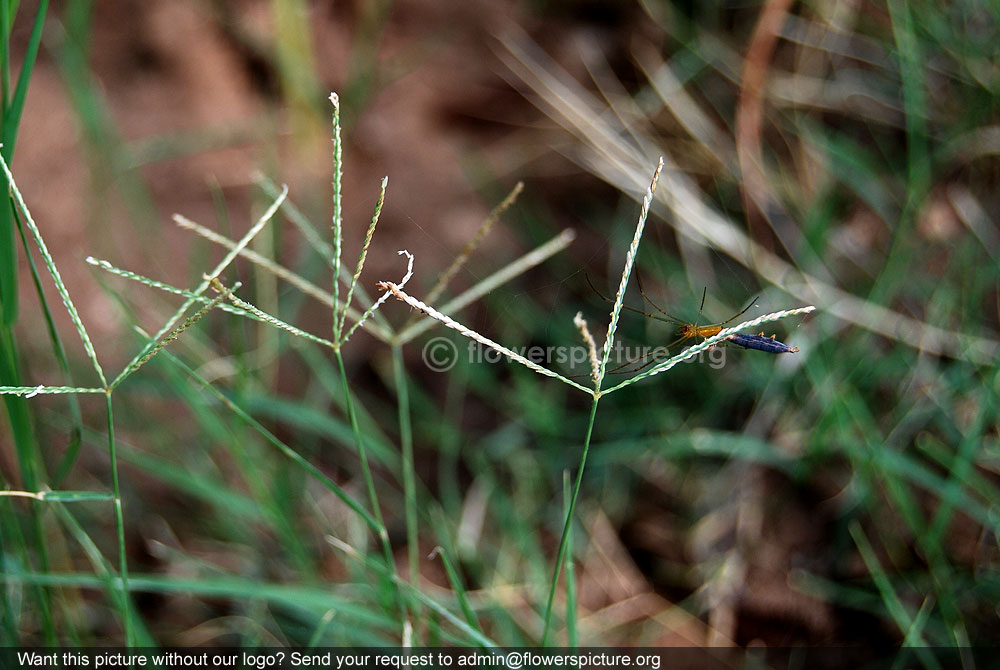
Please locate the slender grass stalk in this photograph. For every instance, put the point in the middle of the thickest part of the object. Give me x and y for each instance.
(124, 603)
(572, 635)
(633, 249)
(564, 538)
(457, 586)
(366, 472)
(409, 474)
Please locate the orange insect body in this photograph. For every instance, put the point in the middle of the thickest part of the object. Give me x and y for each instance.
(689, 330)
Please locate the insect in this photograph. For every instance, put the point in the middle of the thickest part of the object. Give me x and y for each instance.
(689, 331)
(761, 343)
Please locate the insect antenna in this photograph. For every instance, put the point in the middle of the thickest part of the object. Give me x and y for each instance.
(736, 316)
(668, 319)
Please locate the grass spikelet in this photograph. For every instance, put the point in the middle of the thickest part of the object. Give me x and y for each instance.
(382, 298)
(223, 264)
(247, 309)
(463, 257)
(32, 391)
(74, 315)
(500, 277)
(279, 271)
(588, 339)
(190, 321)
(364, 252)
(394, 289)
(627, 271)
(337, 203)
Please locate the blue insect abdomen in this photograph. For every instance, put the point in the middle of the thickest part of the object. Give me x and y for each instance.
(761, 343)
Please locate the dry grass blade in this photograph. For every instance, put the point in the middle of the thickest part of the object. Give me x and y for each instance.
(605, 155)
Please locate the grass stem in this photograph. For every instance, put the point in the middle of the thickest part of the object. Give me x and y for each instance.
(564, 539)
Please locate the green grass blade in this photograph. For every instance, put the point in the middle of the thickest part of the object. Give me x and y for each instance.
(307, 599)
(125, 601)
(60, 496)
(278, 444)
(458, 587)
(14, 109)
(893, 604)
(105, 573)
(73, 448)
(478, 637)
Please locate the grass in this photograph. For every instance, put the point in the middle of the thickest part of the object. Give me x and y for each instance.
(379, 503)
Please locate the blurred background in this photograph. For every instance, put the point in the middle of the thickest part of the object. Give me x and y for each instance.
(838, 153)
